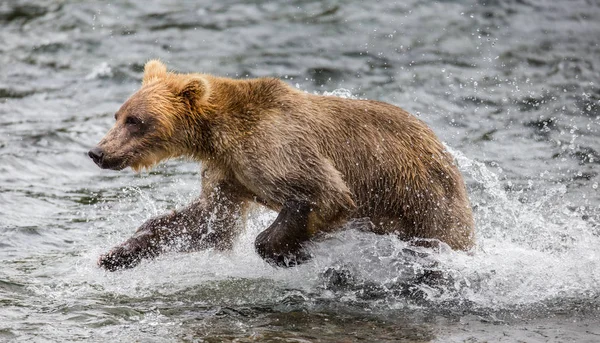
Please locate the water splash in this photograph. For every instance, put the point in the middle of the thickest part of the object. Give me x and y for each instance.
(528, 251)
(340, 93)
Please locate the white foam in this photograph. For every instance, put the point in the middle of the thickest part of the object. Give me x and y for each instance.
(103, 70)
(340, 93)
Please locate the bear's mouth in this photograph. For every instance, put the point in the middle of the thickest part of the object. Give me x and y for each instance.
(111, 166)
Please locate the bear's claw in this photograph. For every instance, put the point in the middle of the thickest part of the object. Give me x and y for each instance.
(118, 258)
(288, 260)
(127, 255)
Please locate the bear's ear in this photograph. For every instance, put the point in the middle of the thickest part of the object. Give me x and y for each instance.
(195, 90)
(153, 70)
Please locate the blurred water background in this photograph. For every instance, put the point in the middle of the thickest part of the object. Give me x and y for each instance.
(512, 87)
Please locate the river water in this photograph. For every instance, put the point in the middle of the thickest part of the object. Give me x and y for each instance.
(511, 87)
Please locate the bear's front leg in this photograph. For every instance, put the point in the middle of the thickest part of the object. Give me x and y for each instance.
(282, 243)
(210, 222)
(322, 202)
(145, 243)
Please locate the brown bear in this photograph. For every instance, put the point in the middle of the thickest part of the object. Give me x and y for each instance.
(320, 161)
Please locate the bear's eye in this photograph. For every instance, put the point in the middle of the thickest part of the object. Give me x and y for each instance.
(132, 121)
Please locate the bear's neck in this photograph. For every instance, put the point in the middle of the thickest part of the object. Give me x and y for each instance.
(235, 109)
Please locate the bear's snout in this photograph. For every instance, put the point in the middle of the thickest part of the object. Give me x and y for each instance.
(96, 154)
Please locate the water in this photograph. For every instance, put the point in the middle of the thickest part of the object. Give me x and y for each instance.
(512, 88)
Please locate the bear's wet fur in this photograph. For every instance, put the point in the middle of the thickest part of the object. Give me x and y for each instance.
(320, 161)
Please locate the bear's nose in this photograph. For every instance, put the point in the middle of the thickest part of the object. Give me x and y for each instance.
(96, 154)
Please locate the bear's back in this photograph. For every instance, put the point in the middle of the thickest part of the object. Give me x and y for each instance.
(399, 172)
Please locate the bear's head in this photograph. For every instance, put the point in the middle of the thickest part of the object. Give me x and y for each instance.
(160, 121)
